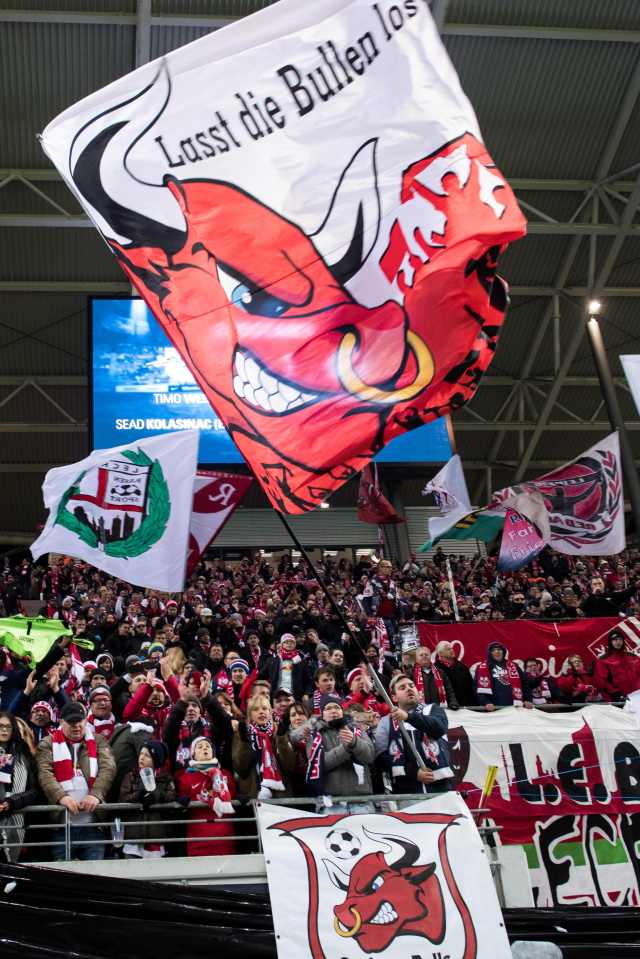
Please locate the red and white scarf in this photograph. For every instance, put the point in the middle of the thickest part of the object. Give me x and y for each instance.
(317, 696)
(102, 727)
(63, 761)
(380, 637)
(267, 766)
(418, 679)
(483, 680)
(223, 681)
(213, 789)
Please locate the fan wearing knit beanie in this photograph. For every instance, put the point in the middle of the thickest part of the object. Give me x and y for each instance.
(288, 670)
(150, 703)
(205, 781)
(361, 692)
(150, 784)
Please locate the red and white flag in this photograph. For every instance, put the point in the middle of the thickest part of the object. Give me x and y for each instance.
(583, 500)
(305, 202)
(373, 505)
(215, 497)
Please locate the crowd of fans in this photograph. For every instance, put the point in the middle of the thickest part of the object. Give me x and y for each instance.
(248, 685)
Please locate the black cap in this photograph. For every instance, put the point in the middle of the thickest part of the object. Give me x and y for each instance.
(328, 698)
(73, 712)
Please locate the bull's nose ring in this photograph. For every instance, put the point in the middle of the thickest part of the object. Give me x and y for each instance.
(373, 394)
(355, 929)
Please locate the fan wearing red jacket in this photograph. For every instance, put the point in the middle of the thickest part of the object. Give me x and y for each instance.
(361, 692)
(150, 703)
(205, 781)
(617, 673)
(576, 684)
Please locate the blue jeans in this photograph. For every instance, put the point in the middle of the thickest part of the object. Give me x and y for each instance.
(88, 833)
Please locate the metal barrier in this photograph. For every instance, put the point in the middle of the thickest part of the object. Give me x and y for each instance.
(65, 822)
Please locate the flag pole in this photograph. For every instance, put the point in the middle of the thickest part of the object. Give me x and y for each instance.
(454, 598)
(336, 609)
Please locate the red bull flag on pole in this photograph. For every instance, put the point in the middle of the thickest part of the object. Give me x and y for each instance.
(304, 201)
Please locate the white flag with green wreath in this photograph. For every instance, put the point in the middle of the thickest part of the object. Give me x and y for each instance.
(125, 510)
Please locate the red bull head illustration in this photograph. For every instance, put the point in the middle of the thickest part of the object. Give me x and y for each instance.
(389, 899)
(309, 381)
(387, 895)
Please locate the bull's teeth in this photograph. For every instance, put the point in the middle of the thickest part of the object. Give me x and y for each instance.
(240, 366)
(263, 390)
(252, 371)
(290, 393)
(385, 915)
(269, 382)
(262, 399)
(278, 403)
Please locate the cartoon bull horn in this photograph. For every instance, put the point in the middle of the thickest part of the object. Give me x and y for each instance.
(409, 852)
(355, 205)
(356, 201)
(101, 166)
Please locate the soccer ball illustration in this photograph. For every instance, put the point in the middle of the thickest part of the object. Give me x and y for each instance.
(342, 844)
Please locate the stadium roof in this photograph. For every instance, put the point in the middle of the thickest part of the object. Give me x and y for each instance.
(556, 87)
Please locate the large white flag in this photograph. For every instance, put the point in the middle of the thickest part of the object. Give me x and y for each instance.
(583, 499)
(450, 492)
(125, 510)
(393, 885)
(305, 202)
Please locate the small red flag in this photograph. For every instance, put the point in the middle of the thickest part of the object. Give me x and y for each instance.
(373, 505)
(215, 497)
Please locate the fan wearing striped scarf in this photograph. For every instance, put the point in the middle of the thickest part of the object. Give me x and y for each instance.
(75, 768)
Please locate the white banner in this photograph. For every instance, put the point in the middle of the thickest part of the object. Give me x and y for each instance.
(125, 510)
(413, 883)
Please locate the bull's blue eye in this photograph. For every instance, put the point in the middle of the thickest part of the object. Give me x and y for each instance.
(249, 298)
(377, 882)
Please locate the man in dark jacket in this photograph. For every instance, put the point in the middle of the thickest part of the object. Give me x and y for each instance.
(457, 673)
(288, 670)
(434, 684)
(500, 682)
(427, 726)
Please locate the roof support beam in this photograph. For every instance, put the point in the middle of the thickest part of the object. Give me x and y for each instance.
(622, 230)
(620, 124)
(213, 22)
(517, 183)
(113, 286)
(529, 426)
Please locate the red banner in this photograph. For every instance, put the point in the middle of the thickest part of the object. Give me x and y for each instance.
(550, 642)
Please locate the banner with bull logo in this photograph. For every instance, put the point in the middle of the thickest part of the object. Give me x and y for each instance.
(567, 791)
(409, 883)
(304, 201)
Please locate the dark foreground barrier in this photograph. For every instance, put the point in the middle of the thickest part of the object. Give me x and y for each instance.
(53, 915)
